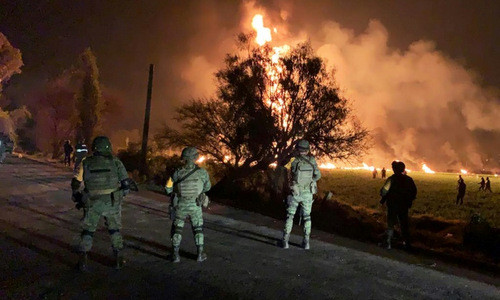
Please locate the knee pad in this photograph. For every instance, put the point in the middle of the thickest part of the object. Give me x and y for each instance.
(198, 229)
(177, 230)
(113, 231)
(87, 233)
(306, 218)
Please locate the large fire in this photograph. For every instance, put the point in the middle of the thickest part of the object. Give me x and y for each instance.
(426, 169)
(275, 98)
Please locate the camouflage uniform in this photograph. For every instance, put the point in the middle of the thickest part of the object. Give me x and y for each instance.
(305, 173)
(184, 195)
(104, 177)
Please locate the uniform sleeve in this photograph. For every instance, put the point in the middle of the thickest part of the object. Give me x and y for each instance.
(316, 172)
(385, 189)
(79, 172)
(122, 172)
(206, 181)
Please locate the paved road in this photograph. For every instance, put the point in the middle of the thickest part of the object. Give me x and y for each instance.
(40, 227)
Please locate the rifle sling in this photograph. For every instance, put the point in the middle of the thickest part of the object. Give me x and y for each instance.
(196, 168)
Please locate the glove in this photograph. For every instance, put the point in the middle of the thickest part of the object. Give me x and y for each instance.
(126, 192)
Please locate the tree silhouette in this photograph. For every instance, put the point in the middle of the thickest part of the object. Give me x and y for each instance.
(88, 99)
(263, 105)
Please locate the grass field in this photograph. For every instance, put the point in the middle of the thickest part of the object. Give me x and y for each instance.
(436, 193)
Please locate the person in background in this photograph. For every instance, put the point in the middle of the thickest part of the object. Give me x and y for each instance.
(399, 192)
(461, 190)
(68, 149)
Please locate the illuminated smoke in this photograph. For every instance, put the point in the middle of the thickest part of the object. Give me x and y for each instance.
(419, 104)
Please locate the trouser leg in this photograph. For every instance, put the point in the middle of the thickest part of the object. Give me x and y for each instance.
(89, 225)
(291, 209)
(404, 223)
(114, 224)
(197, 225)
(306, 206)
(178, 225)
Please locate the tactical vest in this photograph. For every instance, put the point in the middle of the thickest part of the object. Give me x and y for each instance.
(192, 186)
(100, 175)
(303, 173)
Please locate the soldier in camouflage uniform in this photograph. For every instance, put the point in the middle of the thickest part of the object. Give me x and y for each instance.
(187, 188)
(304, 174)
(106, 183)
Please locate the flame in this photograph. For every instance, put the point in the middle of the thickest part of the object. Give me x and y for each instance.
(427, 169)
(274, 97)
(463, 171)
(263, 33)
(329, 166)
(201, 159)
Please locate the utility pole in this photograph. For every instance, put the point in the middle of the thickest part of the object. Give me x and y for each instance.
(145, 131)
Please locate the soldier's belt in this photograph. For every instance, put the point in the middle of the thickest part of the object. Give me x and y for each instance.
(102, 192)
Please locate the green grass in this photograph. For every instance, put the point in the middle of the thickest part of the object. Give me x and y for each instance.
(436, 193)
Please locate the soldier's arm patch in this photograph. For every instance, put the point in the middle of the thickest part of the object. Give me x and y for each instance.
(289, 164)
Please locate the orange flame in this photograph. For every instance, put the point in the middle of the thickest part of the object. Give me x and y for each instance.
(201, 159)
(427, 169)
(329, 166)
(263, 33)
(463, 171)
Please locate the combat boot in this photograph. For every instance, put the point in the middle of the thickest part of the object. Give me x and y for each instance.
(390, 233)
(284, 242)
(175, 255)
(305, 243)
(119, 259)
(83, 262)
(201, 255)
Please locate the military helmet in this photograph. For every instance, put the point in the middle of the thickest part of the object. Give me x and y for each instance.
(302, 145)
(102, 145)
(189, 153)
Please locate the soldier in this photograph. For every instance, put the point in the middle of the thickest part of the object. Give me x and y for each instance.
(383, 173)
(374, 173)
(482, 184)
(106, 183)
(187, 188)
(81, 153)
(488, 185)
(304, 175)
(461, 190)
(67, 153)
(399, 191)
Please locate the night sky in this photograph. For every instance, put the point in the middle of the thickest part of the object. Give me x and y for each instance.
(128, 35)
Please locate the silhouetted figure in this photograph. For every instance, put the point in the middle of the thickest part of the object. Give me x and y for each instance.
(383, 173)
(374, 173)
(399, 191)
(488, 185)
(81, 153)
(461, 190)
(67, 153)
(482, 184)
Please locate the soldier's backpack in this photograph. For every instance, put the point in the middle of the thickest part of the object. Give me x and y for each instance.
(303, 174)
(189, 186)
(100, 175)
